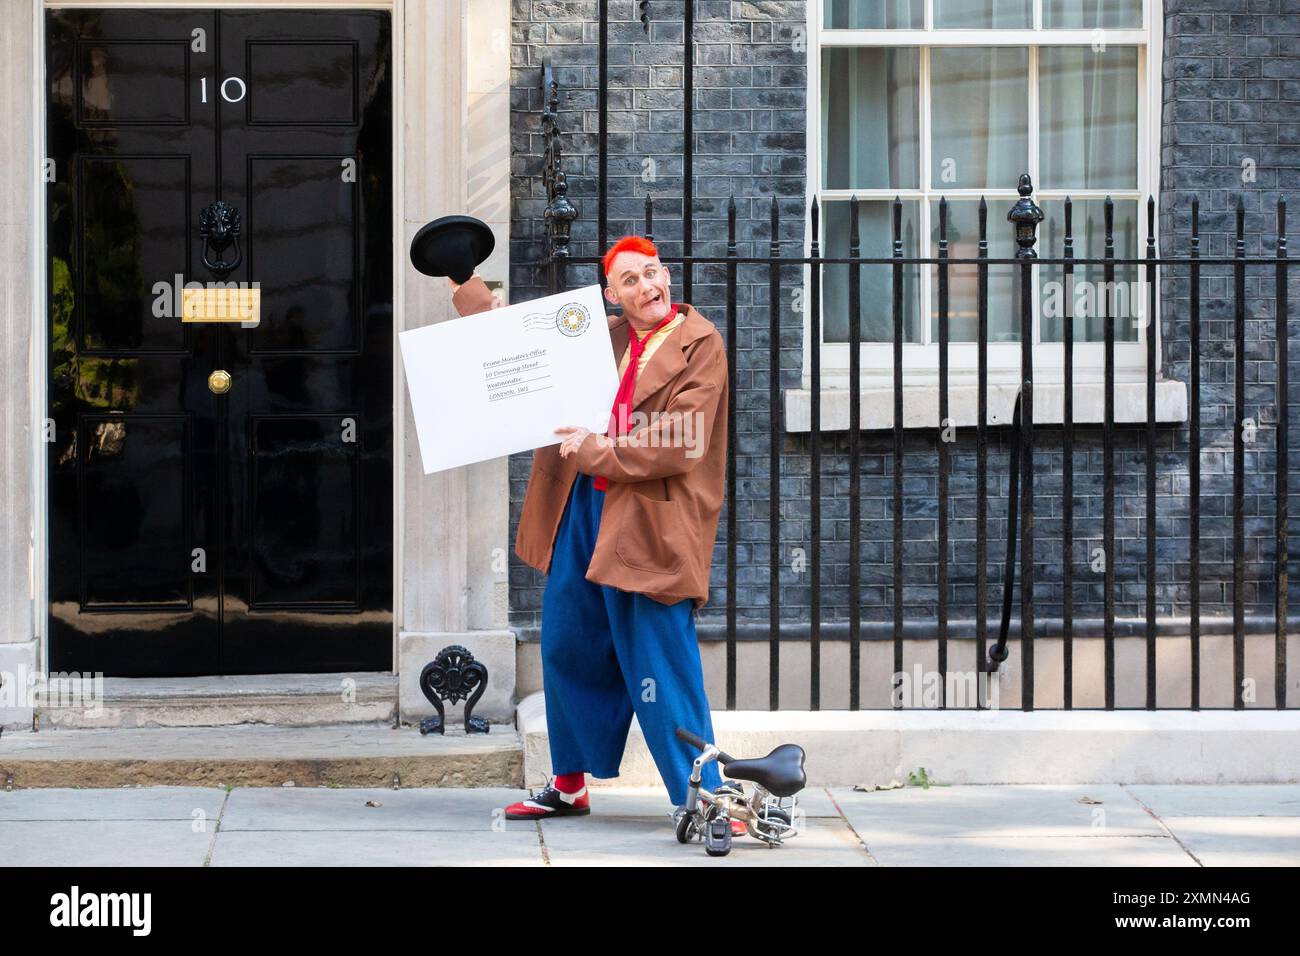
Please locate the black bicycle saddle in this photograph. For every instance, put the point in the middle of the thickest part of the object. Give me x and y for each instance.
(779, 773)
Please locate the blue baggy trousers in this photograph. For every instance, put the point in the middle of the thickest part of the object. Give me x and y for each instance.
(607, 653)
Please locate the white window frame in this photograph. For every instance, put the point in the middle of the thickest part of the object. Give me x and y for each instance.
(921, 361)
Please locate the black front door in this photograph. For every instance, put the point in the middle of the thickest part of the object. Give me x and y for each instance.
(191, 530)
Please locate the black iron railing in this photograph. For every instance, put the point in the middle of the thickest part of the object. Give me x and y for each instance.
(560, 216)
(1024, 217)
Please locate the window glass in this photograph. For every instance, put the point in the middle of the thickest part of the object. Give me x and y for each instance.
(963, 281)
(1092, 14)
(1087, 117)
(874, 14)
(1127, 301)
(978, 138)
(984, 14)
(870, 135)
(979, 116)
(876, 238)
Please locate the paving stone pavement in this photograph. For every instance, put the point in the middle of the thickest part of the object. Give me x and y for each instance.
(1097, 825)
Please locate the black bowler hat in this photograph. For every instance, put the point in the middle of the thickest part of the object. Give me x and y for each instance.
(452, 246)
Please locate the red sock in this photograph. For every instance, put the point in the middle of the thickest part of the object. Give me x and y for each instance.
(570, 782)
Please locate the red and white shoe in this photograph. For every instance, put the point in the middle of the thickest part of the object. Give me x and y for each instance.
(550, 802)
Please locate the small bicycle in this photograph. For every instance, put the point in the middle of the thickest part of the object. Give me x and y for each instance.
(768, 812)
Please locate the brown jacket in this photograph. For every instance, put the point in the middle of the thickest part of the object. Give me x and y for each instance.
(666, 478)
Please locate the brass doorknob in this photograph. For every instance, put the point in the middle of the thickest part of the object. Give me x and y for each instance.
(219, 382)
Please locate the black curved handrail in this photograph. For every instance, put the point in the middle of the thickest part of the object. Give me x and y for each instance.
(998, 652)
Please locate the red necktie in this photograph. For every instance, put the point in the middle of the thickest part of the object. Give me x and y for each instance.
(618, 416)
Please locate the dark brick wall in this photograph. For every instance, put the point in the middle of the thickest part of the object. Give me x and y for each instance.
(1230, 131)
(1232, 91)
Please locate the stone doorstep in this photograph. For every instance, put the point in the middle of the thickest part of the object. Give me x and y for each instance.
(356, 755)
(877, 747)
(285, 700)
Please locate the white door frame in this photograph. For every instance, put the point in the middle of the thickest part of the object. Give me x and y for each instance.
(433, 89)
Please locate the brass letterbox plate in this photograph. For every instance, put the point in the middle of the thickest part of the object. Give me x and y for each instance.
(240, 305)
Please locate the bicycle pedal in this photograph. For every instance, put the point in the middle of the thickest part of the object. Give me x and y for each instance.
(717, 836)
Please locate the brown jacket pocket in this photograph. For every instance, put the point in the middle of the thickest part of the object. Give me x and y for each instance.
(652, 536)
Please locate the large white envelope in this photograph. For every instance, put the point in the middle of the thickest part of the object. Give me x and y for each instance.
(502, 381)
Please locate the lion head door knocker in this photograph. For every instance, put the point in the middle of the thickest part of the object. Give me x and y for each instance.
(453, 676)
(219, 229)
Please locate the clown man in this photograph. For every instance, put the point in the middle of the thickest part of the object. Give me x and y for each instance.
(623, 525)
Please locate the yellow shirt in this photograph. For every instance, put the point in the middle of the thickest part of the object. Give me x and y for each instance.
(651, 346)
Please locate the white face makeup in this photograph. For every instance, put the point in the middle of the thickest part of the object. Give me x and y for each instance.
(640, 285)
